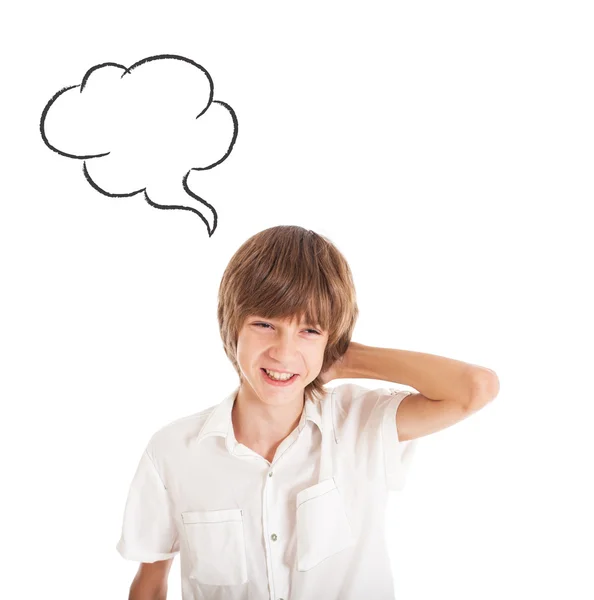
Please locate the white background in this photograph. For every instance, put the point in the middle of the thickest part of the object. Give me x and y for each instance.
(445, 148)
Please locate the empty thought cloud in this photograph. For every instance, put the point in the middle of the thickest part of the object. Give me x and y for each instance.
(144, 129)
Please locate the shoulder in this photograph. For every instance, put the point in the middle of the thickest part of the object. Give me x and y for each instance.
(356, 407)
(346, 393)
(344, 396)
(177, 433)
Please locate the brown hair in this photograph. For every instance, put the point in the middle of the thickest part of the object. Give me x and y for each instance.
(289, 272)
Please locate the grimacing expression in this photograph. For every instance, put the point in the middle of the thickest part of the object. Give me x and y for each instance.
(280, 345)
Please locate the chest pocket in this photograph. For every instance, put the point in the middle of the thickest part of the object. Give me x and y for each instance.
(323, 528)
(217, 549)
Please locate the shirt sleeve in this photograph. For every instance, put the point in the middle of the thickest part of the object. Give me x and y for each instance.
(397, 455)
(149, 532)
(366, 420)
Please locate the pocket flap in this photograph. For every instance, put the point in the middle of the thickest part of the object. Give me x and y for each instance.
(212, 516)
(323, 487)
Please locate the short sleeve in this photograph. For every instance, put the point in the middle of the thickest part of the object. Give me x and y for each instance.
(366, 421)
(149, 532)
(397, 455)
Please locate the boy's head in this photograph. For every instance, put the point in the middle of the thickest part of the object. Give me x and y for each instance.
(289, 274)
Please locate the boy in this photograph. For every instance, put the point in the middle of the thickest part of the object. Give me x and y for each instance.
(279, 491)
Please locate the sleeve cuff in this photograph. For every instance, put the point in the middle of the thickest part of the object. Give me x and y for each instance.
(140, 555)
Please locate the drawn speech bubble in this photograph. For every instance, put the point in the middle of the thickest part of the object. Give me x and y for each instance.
(143, 129)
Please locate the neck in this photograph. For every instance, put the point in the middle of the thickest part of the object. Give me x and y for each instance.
(266, 424)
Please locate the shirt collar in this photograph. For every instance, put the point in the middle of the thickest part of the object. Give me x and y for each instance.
(219, 421)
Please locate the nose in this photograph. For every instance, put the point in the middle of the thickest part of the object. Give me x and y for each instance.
(283, 350)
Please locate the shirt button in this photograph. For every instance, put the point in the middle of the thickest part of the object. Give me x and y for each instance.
(270, 475)
(273, 537)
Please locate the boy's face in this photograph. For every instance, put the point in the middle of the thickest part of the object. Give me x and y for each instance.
(280, 345)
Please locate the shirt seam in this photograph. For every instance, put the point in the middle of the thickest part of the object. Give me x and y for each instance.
(383, 441)
(169, 499)
(157, 470)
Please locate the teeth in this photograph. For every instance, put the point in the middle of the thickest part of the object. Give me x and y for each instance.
(279, 376)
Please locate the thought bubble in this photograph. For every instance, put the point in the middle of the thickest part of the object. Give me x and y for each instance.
(144, 129)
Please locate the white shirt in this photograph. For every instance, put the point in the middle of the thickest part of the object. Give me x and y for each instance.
(308, 525)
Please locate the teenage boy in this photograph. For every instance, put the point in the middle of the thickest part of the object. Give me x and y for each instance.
(279, 491)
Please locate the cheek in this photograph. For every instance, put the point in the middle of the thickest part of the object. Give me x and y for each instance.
(243, 353)
(247, 350)
(319, 358)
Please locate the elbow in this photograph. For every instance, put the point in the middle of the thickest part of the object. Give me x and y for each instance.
(485, 387)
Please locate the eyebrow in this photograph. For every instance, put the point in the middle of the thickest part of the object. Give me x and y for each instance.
(303, 322)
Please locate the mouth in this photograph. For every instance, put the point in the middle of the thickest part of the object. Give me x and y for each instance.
(278, 382)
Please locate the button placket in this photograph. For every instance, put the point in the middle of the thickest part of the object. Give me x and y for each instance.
(273, 537)
(271, 521)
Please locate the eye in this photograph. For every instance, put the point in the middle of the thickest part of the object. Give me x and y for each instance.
(267, 325)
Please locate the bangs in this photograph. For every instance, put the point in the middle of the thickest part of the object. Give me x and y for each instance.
(292, 291)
